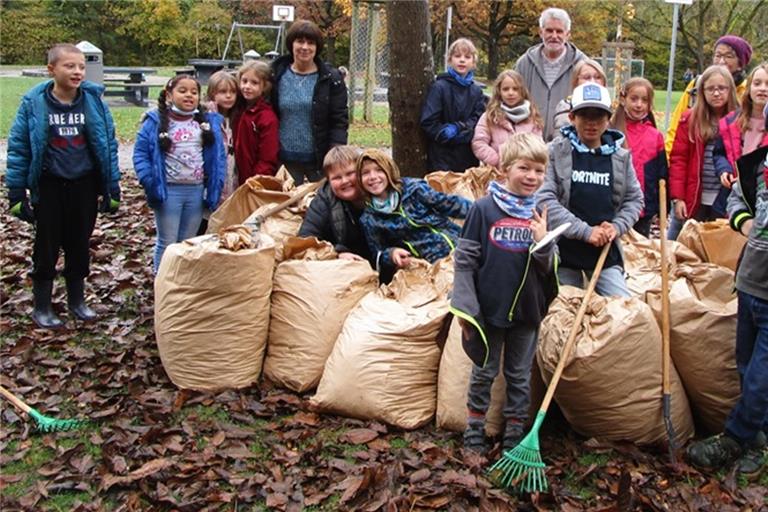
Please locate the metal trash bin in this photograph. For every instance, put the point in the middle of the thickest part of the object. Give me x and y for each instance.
(251, 55)
(94, 62)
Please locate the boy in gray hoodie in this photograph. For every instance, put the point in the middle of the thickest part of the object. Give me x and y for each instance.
(591, 183)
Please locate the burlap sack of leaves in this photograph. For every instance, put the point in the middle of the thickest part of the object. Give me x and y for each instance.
(713, 242)
(312, 293)
(212, 312)
(471, 183)
(453, 385)
(642, 261)
(611, 385)
(384, 363)
(703, 310)
(255, 192)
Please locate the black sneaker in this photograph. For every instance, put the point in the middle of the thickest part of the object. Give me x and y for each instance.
(513, 434)
(753, 460)
(474, 436)
(714, 452)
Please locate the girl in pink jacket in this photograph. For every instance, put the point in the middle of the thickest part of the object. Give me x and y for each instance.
(510, 111)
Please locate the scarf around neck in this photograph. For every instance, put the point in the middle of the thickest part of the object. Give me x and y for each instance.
(611, 139)
(387, 205)
(466, 80)
(517, 114)
(520, 207)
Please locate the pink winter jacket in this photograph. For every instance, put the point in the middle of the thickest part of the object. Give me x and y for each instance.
(489, 138)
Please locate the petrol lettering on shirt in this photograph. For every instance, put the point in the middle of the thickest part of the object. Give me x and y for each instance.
(512, 235)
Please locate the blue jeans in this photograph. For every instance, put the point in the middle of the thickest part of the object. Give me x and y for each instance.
(750, 414)
(704, 214)
(611, 282)
(178, 217)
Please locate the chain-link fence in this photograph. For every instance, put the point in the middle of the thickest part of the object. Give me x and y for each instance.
(369, 59)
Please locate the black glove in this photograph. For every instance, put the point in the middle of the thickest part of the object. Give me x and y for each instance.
(17, 199)
(111, 205)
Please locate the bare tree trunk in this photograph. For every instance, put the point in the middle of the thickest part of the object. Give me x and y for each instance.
(411, 70)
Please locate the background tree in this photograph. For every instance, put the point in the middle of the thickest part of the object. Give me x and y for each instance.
(411, 70)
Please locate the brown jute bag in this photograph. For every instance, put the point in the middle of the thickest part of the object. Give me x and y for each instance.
(255, 192)
(384, 363)
(212, 312)
(471, 183)
(703, 309)
(714, 242)
(611, 386)
(312, 293)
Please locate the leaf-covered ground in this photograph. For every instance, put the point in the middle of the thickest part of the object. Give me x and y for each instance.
(151, 447)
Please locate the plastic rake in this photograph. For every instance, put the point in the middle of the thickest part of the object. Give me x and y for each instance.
(522, 468)
(43, 423)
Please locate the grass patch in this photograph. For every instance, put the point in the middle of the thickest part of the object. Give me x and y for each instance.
(37, 456)
(598, 459)
(398, 443)
(65, 501)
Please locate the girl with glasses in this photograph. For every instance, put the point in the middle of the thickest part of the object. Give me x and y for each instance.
(694, 185)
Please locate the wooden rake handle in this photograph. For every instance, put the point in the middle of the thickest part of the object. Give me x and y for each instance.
(15, 400)
(288, 202)
(665, 361)
(566, 352)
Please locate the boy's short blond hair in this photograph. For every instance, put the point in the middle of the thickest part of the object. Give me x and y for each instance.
(463, 45)
(523, 146)
(57, 50)
(262, 70)
(338, 156)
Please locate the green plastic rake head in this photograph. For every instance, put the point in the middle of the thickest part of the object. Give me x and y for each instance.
(521, 468)
(43, 423)
(47, 424)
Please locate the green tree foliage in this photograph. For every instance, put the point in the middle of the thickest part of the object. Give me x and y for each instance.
(28, 31)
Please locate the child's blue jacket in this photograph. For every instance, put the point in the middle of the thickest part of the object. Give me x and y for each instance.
(149, 161)
(421, 223)
(28, 139)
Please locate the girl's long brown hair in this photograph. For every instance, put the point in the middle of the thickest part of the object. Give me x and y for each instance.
(746, 101)
(703, 121)
(493, 111)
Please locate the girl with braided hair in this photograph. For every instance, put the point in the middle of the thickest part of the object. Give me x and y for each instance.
(180, 161)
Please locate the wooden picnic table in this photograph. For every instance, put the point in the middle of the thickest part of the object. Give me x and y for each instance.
(204, 68)
(132, 87)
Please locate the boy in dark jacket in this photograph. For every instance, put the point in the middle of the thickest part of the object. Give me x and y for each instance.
(453, 107)
(592, 184)
(62, 147)
(502, 290)
(334, 213)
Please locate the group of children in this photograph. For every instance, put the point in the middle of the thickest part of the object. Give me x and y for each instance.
(600, 176)
(192, 152)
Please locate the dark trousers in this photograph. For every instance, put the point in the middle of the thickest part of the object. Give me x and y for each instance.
(65, 217)
(301, 171)
(750, 414)
(643, 226)
(513, 349)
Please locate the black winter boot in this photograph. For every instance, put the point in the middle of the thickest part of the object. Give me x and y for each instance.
(76, 300)
(513, 434)
(474, 435)
(42, 313)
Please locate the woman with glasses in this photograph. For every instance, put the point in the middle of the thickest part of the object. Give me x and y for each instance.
(586, 70)
(730, 51)
(694, 185)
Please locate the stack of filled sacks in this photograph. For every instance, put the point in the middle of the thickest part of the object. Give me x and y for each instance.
(611, 386)
(212, 309)
(453, 386)
(703, 310)
(254, 198)
(472, 183)
(642, 261)
(384, 363)
(713, 242)
(312, 293)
